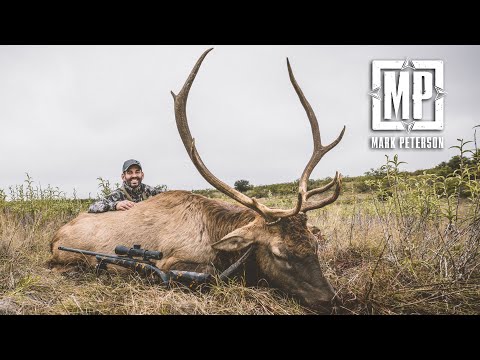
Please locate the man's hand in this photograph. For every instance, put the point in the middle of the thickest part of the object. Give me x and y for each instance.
(124, 205)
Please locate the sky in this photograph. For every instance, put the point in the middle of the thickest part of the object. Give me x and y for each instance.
(71, 114)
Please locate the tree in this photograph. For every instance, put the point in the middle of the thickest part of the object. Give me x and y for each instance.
(242, 185)
(376, 173)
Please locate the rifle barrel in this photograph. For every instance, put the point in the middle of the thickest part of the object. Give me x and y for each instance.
(85, 252)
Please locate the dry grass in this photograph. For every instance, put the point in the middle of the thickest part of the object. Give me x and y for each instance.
(27, 286)
(376, 265)
(379, 267)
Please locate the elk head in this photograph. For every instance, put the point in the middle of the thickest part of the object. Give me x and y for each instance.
(286, 250)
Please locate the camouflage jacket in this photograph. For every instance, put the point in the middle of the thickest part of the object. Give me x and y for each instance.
(125, 192)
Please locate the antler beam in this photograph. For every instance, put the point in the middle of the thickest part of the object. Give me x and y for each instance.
(318, 152)
(180, 104)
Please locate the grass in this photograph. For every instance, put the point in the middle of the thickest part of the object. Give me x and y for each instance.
(410, 245)
(27, 286)
(373, 269)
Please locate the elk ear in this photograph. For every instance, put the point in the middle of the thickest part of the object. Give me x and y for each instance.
(237, 240)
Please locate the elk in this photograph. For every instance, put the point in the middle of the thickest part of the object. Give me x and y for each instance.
(196, 233)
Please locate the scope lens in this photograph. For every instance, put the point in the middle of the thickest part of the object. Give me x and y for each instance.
(121, 250)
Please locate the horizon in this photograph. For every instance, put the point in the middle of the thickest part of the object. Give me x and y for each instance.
(70, 114)
(113, 183)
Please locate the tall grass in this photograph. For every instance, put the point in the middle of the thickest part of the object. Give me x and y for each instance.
(407, 245)
(28, 221)
(413, 244)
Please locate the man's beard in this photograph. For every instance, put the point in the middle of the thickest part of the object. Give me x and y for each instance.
(138, 183)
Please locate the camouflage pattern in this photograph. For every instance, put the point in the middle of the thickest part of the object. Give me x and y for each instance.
(125, 192)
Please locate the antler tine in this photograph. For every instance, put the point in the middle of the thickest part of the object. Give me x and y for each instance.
(181, 105)
(322, 189)
(184, 131)
(318, 150)
(324, 202)
(317, 142)
(189, 142)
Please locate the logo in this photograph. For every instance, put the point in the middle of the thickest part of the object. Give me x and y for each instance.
(407, 95)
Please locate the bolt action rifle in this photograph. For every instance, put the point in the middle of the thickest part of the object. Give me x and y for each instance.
(128, 258)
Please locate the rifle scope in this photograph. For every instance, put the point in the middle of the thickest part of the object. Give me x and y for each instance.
(136, 251)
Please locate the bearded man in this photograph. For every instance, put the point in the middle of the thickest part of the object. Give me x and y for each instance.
(130, 193)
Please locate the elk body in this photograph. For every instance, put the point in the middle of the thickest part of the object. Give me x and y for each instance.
(196, 233)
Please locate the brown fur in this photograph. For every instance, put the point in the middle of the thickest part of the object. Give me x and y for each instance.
(180, 224)
(297, 236)
(195, 233)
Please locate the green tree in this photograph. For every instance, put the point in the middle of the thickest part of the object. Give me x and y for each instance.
(242, 185)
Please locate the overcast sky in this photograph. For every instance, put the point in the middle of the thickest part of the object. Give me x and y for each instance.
(70, 114)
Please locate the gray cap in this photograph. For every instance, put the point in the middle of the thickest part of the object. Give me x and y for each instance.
(129, 163)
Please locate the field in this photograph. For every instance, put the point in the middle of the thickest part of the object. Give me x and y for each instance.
(405, 244)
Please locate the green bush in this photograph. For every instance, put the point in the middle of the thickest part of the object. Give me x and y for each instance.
(242, 185)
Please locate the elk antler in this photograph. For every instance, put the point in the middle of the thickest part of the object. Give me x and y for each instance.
(318, 151)
(252, 203)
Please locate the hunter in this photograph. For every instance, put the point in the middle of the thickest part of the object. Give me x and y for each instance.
(131, 192)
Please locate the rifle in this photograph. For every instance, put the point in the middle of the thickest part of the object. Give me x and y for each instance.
(144, 266)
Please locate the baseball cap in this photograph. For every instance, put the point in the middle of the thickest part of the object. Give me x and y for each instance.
(129, 163)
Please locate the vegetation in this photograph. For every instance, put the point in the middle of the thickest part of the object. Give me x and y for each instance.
(242, 185)
(393, 243)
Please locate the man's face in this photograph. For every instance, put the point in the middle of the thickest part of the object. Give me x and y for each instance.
(133, 176)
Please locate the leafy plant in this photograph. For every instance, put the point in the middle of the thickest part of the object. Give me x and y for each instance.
(242, 185)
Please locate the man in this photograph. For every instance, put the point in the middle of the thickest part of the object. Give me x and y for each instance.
(131, 192)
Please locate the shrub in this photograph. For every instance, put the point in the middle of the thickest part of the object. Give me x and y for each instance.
(242, 185)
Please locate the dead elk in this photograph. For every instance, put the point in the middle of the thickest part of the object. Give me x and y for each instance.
(196, 233)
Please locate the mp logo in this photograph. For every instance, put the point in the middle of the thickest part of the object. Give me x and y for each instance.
(407, 95)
